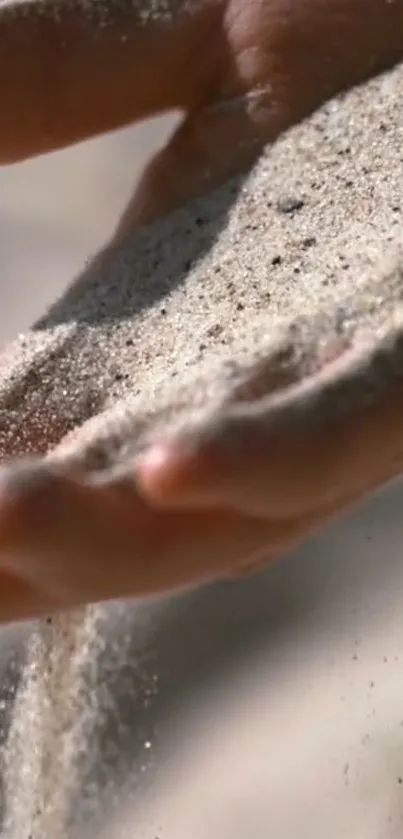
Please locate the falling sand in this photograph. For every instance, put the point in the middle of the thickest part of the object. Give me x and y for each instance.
(52, 707)
(240, 294)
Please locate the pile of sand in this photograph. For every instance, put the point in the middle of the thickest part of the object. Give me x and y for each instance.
(265, 274)
(303, 238)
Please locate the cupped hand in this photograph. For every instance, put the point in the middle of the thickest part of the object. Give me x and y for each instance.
(224, 498)
(217, 500)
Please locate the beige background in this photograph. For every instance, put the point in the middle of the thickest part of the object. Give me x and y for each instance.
(270, 707)
(56, 211)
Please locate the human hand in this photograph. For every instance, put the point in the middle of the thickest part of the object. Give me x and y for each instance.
(241, 72)
(200, 507)
(221, 497)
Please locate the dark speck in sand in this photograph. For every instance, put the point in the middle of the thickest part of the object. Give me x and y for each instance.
(215, 330)
(289, 204)
(309, 242)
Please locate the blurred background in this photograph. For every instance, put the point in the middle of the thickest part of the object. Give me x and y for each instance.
(58, 209)
(266, 708)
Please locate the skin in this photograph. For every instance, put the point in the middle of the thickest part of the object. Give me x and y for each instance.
(204, 505)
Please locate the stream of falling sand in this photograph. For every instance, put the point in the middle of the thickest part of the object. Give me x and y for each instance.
(52, 718)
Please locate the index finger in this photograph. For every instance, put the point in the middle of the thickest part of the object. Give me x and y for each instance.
(71, 69)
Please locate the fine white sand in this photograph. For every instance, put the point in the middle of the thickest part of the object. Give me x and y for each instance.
(220, 279)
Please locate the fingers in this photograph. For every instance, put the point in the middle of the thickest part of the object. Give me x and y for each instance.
(242, 461)
(68, 540)
(75, 542)
(278, 61)
(73, 69)
(64, 543)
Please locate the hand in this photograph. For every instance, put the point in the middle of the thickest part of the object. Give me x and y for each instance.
(230, 493)
(228, 497)
(242, 71)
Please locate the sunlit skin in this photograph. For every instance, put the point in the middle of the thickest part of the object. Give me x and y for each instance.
(205, 506)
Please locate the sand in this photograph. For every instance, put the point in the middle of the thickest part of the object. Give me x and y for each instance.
(53, 715)
(311, 237)
(220, 280)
